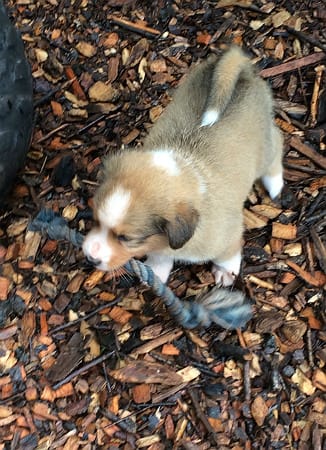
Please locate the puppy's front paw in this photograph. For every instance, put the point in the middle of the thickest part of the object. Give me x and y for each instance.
(222, 276)
(160, 265)
(226, 271)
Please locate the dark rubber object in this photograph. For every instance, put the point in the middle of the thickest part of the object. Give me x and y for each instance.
(16, 103)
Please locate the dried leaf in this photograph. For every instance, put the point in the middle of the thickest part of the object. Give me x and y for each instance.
(304, 383)
(86, 49)
(137, 52)
(188, 373)
(259, 410)
(146, 372)
(141, 393)
(281, 231)
(319, 379)
(280, 17)
(102, 92)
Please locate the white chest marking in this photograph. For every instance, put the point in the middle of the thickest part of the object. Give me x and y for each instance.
(115, 207)
(164, 159)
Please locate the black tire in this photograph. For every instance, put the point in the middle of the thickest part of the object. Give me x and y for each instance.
(16, 103)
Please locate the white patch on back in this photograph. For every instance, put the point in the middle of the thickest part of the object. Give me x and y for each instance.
(209, 117)
(273, 184)
(114, 208)
(164, 159)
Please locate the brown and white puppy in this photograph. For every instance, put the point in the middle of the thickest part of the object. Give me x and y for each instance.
(180, 197)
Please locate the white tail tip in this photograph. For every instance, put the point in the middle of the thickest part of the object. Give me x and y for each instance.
(209, 118)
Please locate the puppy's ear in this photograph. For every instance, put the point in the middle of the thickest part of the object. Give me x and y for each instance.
(181, 228)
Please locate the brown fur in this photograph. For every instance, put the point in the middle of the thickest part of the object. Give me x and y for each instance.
(184, 222)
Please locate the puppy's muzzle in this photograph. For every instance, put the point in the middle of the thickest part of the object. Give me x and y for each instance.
(93, 261)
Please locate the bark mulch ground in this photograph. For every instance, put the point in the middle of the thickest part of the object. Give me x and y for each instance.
(91, 362)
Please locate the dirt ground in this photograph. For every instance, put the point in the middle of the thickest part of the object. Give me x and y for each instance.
(88, 361)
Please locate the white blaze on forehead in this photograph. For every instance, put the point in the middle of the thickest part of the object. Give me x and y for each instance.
(114, 208)
(164, 159)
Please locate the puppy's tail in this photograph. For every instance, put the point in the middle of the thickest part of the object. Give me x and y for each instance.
(229, 69)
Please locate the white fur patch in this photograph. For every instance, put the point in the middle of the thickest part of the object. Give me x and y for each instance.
(164, 159)
(161, 265)
(232, 264)
(209, 117)
(273, 184)
(95, 246)
(225, 271)
(114, 209)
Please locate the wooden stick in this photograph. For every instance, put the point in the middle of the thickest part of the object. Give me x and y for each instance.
(83, 369)
(308, 151)
(307, 38)
(314, 100)
(136, 27)
(293, 65)
(201, 416)
(320, 248)
(306, 276)
(78, 90)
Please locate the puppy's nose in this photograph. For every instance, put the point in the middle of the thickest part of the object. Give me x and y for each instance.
(93, 261)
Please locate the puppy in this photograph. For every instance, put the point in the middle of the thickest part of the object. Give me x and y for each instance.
(180, 197)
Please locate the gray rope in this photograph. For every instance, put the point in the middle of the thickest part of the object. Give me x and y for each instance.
(228, 309)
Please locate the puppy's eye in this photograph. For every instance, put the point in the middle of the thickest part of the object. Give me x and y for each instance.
(123, 238)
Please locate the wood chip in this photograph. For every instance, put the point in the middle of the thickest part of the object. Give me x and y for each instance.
(281, 231)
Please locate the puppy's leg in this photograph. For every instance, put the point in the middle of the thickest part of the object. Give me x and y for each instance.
(226, 270)
(161, 265)
(273, 179)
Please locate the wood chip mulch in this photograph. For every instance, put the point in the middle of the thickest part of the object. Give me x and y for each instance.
(91, 362)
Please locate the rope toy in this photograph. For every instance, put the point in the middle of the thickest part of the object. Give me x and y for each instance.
(228, 309)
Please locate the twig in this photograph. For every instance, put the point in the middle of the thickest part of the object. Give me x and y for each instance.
(83, 369)
(304, 169)
(246, 381)
(152, 405)
(123, 424)
(86, 317)
(320, 248)
(168, 392)
(135, 27)
(201, 416)
(307, 38)
(244, 5)
(314, 100)
(293, 65)
(306, 276)
(78, 91)
(276, 373)
(51, 133)
(86, 127)
(50, 94)
(310, 351)
(308, 151)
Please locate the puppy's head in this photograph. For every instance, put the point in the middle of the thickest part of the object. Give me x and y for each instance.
(138, 209)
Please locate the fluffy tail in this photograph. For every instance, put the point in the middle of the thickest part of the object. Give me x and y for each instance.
(232, 65)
